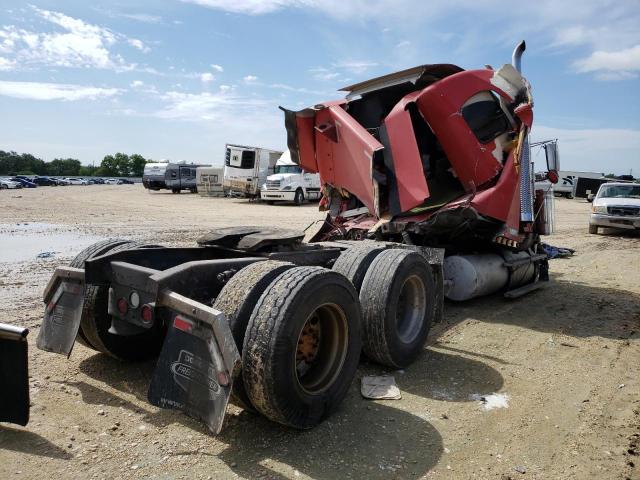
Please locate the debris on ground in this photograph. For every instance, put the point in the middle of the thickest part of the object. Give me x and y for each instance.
(46, 254)
(380, 388)
(493, 401)
(557, 252)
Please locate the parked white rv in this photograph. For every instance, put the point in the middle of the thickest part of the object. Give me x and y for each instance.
(246, 168)
(290, 183)
(209, 181)
(567, 182)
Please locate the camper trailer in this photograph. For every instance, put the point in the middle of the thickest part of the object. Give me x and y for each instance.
(170, 176)
(247, 168)
(209, 181)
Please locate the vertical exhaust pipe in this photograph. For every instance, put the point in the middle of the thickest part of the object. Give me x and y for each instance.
(526, 173)
(517, 55)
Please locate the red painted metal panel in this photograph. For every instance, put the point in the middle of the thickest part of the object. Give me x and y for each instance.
(306, 142)
(441, 104)
(407, 164)
(348, 162)
(497, 201)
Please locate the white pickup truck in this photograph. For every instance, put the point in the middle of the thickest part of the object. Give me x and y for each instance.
(290, 183)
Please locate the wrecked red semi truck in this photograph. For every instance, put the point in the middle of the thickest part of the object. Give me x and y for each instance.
(434, 156)
(425, 171)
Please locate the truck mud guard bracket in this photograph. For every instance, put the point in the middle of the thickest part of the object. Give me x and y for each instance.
(63, 298)
(198, 361)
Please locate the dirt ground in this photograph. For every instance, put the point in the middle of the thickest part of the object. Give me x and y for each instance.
(563, 361)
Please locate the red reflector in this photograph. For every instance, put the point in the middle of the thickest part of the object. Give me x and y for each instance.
(552, 175)
(146, 313)
(123, 306)
(223, 379)
(183, 324)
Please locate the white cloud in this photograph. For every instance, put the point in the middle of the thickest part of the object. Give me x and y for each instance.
(208, 106)
(78, 44)
(355, 66)
(207, 77)
(137, 84)
(6, 64)
(599, 26)
(608, 150)
(616, 65)
(250, 7)
(250, 79)
(54, 91)
(217, 68)
(141, 17)
(136, 43)
(404, 43)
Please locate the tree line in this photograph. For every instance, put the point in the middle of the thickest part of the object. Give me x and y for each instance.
(117, 165)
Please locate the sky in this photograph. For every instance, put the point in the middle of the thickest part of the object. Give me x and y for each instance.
(177, 79)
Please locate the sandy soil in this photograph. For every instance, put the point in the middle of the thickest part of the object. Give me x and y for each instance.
(564, 362)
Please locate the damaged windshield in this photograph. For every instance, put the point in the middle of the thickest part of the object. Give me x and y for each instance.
(620, 191)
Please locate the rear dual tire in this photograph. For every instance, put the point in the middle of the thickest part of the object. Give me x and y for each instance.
(95, 321)
(398, 307)
(302, 346)
(397, 295)
(237, 300)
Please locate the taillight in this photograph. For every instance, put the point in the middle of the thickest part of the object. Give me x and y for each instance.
(552, 175)
(183, 324)
(146, 314)
(122, 305)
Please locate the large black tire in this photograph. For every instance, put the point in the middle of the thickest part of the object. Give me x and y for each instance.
(96, 322)
(92, 251)
(354, 262)
(299, 197)
(302, 346)
(593, 229)
(237, 300)
(398, 300)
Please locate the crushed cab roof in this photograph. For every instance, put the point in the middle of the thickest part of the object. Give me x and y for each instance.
(426, 74)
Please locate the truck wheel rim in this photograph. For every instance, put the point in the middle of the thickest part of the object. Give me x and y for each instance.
(321, 348)
(411, 309)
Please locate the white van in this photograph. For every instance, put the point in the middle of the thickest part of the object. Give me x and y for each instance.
(246, 168)
(290, 183)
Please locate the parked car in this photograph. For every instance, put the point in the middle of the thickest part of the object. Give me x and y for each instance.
(98, 181)
(76, 181)
(126, 181)
(62, 181)
(23, 182)
(616, 205)
(44, 181)
(113, 181)
(5, 183)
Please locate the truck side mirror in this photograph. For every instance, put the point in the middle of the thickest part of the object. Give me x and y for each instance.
(553, 157)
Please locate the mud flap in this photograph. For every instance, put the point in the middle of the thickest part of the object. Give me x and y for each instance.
(197, 363)
(64, 298)
(14, 375)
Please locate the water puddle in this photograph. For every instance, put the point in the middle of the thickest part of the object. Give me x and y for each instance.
(24, 242)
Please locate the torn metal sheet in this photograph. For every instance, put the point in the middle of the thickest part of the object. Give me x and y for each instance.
(380, 388)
